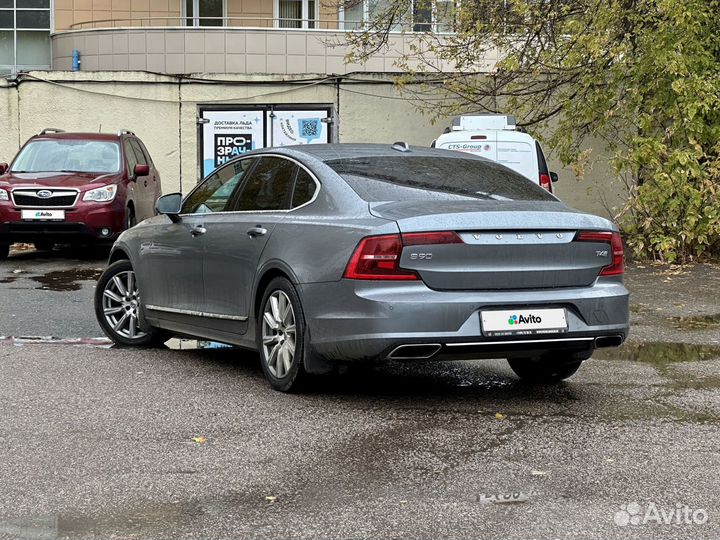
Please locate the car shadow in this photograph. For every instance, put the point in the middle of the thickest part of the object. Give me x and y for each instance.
(443, 382)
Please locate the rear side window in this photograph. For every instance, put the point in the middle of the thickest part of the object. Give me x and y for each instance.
(396, 178)
(268, 186)
(304, 190)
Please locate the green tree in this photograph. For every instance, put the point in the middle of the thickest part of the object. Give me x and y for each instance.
(642, 76)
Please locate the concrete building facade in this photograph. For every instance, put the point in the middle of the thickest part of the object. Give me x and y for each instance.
(166, 68)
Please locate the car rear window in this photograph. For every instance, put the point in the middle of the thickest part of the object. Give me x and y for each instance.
(394, 178)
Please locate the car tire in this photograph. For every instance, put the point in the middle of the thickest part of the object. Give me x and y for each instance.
(44, 245)
(549, 368)
(118, 308)
(130, 219)
(4, 251)
(281, 336)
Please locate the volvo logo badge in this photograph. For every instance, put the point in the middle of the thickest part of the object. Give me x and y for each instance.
(44, 194)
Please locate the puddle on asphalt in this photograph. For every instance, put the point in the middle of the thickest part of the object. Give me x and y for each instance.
(660, 353)
(697, 322)
(67, 280)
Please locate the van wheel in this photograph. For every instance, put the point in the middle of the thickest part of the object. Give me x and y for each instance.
(4, 251)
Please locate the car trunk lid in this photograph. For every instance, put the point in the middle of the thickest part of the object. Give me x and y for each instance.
(504, 244)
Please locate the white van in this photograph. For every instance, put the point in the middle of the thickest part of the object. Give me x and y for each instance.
(497, 137)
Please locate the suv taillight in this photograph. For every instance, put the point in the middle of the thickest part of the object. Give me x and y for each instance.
(546, 182)
(378, 257)
(617, 267)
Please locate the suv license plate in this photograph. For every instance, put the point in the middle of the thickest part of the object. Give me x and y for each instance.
(43, 215)
(512, 322)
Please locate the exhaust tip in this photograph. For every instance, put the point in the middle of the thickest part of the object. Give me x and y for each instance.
(420, 351)
(608, 341)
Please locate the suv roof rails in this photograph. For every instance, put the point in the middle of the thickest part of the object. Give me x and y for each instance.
(125, 132)
(51, 130)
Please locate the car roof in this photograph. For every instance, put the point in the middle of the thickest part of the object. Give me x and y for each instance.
(330, 152)
(79, 136)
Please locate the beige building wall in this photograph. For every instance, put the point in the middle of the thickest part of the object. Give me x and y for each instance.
(164, 116)
(116, 13)
(133, 13)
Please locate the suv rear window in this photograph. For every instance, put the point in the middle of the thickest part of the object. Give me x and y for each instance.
(394, 178)
(68, 155)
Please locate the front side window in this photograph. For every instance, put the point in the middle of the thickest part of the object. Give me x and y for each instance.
(392, 178)
(68, 155)
(268, 186)
(139, 154)
(214, 193)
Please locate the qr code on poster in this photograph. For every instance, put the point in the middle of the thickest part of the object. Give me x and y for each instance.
(309, 129)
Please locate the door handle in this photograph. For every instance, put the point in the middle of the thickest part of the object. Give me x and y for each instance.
(198, 230)
(257, 231)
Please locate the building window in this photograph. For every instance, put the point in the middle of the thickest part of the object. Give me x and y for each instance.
(24, 35)
(204, 12)
(421, 16)
(296, 13)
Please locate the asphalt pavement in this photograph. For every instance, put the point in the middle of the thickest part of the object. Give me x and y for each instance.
(116, 443)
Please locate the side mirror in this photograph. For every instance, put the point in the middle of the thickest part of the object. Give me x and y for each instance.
(553, 176)
(141, 170)
(170, 205)
(3, 168)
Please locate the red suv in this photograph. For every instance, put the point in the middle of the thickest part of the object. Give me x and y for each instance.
(75, 187)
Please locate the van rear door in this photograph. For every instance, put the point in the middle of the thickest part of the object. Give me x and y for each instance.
(519, 155)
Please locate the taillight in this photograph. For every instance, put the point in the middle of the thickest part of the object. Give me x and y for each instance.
(378, 257)
(546, 182)
(617, 267)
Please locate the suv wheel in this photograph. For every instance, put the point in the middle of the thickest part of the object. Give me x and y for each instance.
(44, 245)
(547, 368)
(118, 308)
(281, 336)
(4, 251)
(130, 219)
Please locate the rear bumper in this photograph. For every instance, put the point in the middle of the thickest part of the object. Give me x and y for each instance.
(83, 222)
(355, 320)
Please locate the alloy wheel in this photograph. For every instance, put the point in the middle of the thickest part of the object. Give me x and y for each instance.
(278, 334)
(121, 305)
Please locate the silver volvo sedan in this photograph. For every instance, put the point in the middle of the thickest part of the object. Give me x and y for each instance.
(324, 255)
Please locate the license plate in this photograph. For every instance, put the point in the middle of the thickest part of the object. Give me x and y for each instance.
(523, 321)
(43, 215)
